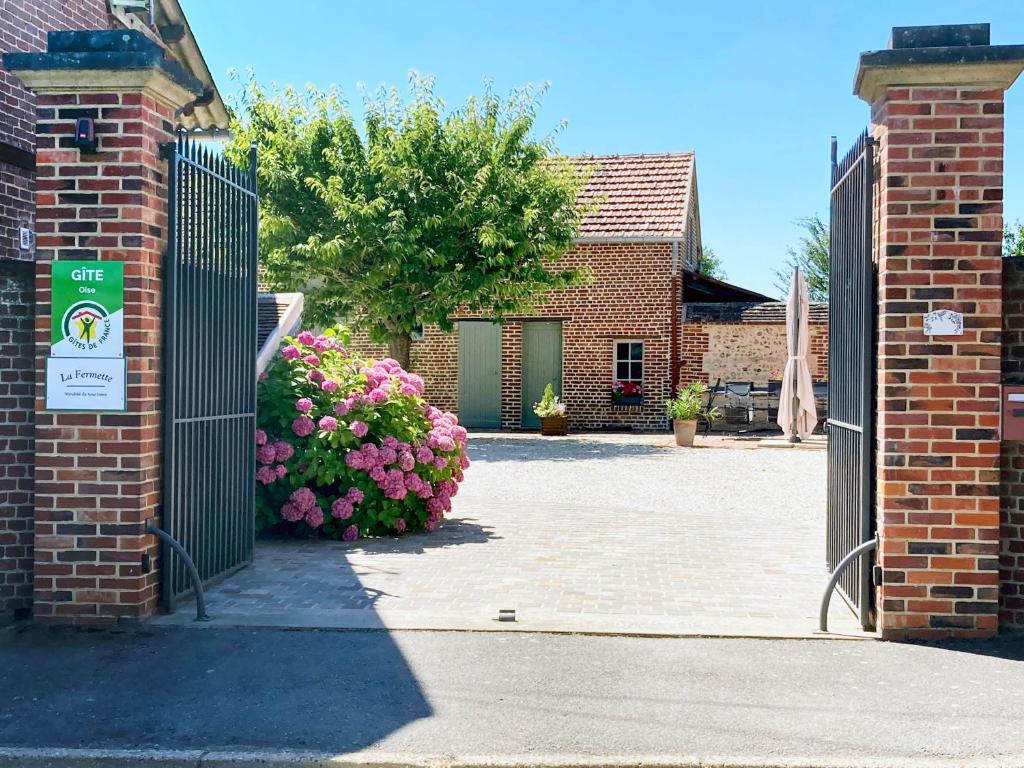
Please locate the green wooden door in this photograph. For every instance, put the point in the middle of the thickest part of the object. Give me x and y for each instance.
(480, 374)
(542, 365)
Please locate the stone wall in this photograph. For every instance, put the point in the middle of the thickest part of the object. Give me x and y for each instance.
(1011, 553)
(745, 342)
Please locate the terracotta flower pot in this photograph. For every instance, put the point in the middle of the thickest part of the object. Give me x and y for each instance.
(554, 425)
(685, 430)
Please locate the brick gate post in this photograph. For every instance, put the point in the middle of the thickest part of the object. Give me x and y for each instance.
(936, 97)
(98, 474)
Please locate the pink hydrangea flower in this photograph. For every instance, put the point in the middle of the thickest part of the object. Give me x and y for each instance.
(341, 408)
(354, 496)
(292, 513)
(424, 455)
(400, 525)
(291, 352)
(459, 434)
(377, 474)
(321, 344)
(388, 455)
(305, 337)
(311, 360)
(265, 454)
(329, 385)
(406, 461)
(261, 437)
(303, 426)
(407, 389)
(440, 462)
(280, 470)
(266, 475)
(341, 509)
(315, 517)
(303, 498)
(378, 395)
(445, 443)
(263, 376)
(351, 533)
(283, 450)
(303, 405)
(389, 441)
(464, 461)
(328, 423)
(315, 376)
(359, 428)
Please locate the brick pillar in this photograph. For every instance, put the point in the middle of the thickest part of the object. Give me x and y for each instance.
(98, 474)
(936, 100)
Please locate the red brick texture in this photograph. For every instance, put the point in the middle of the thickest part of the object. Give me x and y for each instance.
(1011, 553)
(17, 385)
(97, 475)
(939, 229)
(629, 298)
(23, 27)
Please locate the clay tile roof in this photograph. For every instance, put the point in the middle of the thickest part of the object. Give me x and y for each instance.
(639, 195)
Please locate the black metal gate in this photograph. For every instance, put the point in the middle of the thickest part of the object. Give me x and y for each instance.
(852, 363)
(209, 376)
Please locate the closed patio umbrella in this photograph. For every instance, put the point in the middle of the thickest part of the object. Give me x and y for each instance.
(797, 413)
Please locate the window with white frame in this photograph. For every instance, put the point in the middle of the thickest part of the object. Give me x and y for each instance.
(629, 361)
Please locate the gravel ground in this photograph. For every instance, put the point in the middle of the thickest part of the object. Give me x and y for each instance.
(611, 533)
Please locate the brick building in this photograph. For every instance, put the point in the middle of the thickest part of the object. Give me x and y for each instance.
(642, 246)
(100, 209)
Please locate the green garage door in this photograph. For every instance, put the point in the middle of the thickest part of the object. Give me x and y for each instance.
(542, 365)
(480, 374)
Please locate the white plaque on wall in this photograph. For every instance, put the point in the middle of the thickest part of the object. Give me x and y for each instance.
(944, 322)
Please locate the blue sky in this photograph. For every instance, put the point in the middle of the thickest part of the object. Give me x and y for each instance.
(754, 88)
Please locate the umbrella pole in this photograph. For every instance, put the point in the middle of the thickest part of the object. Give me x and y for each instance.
(794, 437)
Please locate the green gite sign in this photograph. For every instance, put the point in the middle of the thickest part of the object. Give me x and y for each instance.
(86, 369)
(88, 309)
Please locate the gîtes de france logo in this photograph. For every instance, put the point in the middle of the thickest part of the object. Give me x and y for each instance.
(86, 326)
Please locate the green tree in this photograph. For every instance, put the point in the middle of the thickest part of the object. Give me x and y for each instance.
(709, 264)
(1013, 240)
(416, 213)
(811, 255)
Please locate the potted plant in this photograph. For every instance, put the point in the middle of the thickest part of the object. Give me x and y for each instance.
(684, 410)
(552, 413)
(627, 393)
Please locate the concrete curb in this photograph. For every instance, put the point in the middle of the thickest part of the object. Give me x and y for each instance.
(122, 758)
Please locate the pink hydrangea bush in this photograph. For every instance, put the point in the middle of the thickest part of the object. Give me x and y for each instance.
(348, 447)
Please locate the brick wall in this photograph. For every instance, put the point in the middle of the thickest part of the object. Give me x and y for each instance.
(939, 233)
(745, 352)
(97, 475)
(1011, 554)
(630, 298)
(17, 380)
(23, 27)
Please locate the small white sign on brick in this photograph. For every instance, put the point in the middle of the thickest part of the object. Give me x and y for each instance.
(944, 322)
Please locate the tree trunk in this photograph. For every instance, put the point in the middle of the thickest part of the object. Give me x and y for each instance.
(398, 348)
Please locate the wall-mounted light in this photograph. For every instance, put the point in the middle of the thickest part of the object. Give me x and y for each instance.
(85, 134)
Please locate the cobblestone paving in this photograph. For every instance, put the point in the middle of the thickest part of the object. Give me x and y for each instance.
(592, 533)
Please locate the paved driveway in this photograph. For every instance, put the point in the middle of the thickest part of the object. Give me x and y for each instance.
(591, 533)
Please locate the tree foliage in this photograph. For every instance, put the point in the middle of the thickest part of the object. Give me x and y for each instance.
(414, 214)
(811, 255)
(1013, 240)
(709, 264)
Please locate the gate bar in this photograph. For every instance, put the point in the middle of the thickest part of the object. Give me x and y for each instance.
(856, 552)
(197, 583)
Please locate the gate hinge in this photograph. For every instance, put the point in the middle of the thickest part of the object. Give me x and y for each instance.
(876, 575)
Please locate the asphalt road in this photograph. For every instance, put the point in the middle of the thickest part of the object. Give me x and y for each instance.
(513, 697)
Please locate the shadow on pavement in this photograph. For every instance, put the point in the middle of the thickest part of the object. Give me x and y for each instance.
(203, 689)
